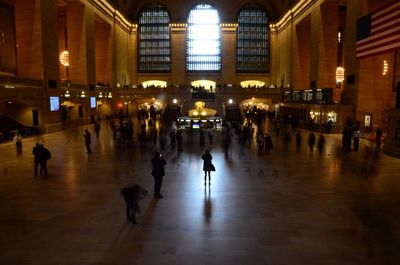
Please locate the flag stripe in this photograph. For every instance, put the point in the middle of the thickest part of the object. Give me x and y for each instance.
(380, 33)
(385, 10)
(381, 43)
(385, 25)
(382, 50)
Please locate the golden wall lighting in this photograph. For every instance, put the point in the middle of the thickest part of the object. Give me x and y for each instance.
(385, 67)
(67, 94)
(83, 94)
(109, 95)
(64, 58)
(174, 101)
(339, 74)
(100, 95)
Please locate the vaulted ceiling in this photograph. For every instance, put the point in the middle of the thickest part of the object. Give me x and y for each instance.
(179, 10)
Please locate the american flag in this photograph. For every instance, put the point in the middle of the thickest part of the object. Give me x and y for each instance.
(379, 32)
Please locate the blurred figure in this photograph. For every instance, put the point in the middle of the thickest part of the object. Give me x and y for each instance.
(260, 142)
(210, 137)
(37, 152)
(356, 139)
(287, 139)
(268, 143)
(298, 140)
(311, 142)
(97, 128)
(132, 194)
(88, 141)
(18, 142)
(321, 143)
(378, 138)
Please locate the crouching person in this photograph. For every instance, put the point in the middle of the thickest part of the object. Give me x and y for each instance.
(132, 194)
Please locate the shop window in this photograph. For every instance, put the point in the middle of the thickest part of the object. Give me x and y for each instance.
(253, 53)
(203, 40)
(154, 40)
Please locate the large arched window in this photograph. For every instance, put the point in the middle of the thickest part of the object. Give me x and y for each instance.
(154, 40)
(253, 40)
(203, 39)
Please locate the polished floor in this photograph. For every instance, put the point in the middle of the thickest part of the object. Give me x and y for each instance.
(284, 209)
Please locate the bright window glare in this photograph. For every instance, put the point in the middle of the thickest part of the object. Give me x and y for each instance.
(204, 37)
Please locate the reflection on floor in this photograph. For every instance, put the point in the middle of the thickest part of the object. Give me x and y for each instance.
(285, 208)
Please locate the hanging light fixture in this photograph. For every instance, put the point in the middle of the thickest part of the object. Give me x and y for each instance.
(339, 74)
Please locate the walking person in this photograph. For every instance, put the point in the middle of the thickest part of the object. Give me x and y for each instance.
(207, 166)
(321, 144)
(88, 141)
(37, 152)
(260, 142)
(158, 173)
(18, 142)
(268, 143)
(298, 140)
(202, 139)
(356, 139)
(378, 138)
(132, 195)
(179, 141)
(43, 157)
(311, 141)
(210, 137)
(287, 138)
(97, 128)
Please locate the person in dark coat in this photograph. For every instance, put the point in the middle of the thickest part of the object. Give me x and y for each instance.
(311, 141)
(132, 194)
(378, 138)
(158, 172)
(43, 157)
(298, 140)
(321, 143)
(268, 143)
(37, 152)
(207, 166)
(179, 141)
(87, 141)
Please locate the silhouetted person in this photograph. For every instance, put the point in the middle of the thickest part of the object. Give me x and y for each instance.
(18, 142)
(356, 139)
(158, 172)
(45, 155)
(179, 141)
(202, 138)
(321, 143)
(37, 152)
(260, 142)
(311, 141)
(88, 141)
(287, 138)
(97, 128)
(268, 143)
(298, 140)
(210, 137)
(132, 194)
(207, 166)
(378, 138)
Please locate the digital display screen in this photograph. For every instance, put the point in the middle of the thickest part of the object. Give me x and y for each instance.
(92, 102)
(54, 103)
(196, 126)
